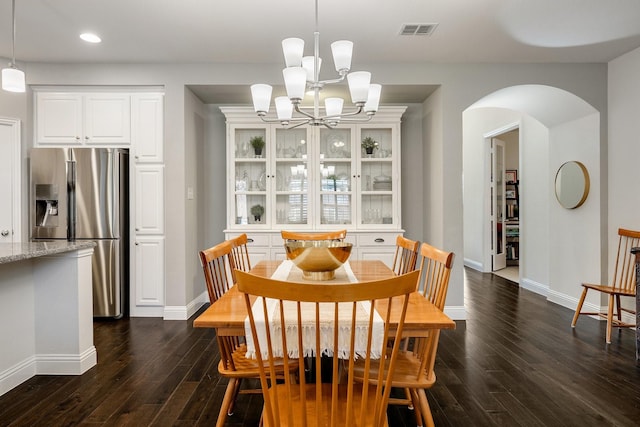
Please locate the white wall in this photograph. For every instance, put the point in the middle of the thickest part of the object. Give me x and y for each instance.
(574, 248)
(535, 196)
(624, 148)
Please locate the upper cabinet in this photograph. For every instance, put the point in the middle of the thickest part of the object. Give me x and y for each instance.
(83, 118)
(147, 127)
(313, 177)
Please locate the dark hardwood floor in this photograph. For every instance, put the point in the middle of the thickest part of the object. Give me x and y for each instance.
(514, 362)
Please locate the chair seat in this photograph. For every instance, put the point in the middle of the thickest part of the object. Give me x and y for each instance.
(405, 373)
(247, 368)
(609, 289)
(286, 399)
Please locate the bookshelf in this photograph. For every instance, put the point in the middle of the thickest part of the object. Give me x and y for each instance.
(512, 223)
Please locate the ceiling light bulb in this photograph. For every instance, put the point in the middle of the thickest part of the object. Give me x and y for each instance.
(90, 38)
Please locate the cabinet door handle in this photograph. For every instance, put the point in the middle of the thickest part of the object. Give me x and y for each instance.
(379, 240)
(137, 243)
(249, 240)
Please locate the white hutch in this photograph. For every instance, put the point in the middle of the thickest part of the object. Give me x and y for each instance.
(314, 179)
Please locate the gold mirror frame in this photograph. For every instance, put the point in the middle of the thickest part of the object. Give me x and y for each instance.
(572, 184)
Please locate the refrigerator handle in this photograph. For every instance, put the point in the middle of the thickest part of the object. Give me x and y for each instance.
(71, 200)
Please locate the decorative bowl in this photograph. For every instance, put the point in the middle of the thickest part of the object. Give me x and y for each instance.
(318, 259)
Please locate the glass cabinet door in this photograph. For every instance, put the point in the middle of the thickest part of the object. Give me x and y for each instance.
(335, 176)
(250, 172)
(291, 175)
(377, 176)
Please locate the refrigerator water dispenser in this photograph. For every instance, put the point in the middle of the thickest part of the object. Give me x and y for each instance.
(46, 205)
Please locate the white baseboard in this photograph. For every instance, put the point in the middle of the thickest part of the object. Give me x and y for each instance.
(47, 364)
(473, 264)
(66, 364)
(17, 374)
(147, 311)
(535, 287)
(185, 312)
(456, 312)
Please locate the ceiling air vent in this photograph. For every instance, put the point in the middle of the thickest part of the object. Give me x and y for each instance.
(417, 29)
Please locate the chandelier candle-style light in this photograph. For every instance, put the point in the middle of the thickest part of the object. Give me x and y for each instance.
(13, 78)
(302, 74)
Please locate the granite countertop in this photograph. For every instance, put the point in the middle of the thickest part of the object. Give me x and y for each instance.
(12, 252)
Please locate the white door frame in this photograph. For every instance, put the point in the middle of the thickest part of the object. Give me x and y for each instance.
(487, 191)
(16, 175)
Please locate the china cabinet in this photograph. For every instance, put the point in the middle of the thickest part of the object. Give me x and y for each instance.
(314, 179)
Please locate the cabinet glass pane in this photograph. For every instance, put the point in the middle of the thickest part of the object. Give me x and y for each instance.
(335, 208)
(291, 143)
(243, 148)
(376, 209)
(250, 208)
(384, 148)
(376, 175)
(291, 209)
(335, 144)
(251, 176)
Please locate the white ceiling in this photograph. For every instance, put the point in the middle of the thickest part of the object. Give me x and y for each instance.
(250, 31)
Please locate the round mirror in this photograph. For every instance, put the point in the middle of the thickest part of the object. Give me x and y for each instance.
(572, 184)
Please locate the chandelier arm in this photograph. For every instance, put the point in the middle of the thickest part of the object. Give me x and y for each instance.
(304, 122)
(299, 110)
(324, 82)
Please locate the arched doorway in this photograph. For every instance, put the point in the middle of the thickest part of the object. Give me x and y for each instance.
(555, 126)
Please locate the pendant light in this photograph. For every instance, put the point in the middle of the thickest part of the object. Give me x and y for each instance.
(13, 79)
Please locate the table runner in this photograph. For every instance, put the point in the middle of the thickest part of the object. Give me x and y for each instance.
(287, 271)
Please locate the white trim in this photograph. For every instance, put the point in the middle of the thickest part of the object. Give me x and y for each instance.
(16, 179)
(476, 265)
(535, 287)
(17, 374)
(66, 364)
(179, 312)
(456, 312)
(149, 311)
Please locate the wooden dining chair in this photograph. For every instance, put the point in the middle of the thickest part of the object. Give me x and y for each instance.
(217, 264)
(329, 235)
(415, 363)
(239, 253)
(623, 284)
(307, 307)
(406, 256)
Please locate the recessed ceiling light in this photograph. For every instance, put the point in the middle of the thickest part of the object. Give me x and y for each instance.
(91, 38)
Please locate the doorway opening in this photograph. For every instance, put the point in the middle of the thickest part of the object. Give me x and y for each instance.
(504, 146)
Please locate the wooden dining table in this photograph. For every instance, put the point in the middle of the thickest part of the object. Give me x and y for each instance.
(227, 315)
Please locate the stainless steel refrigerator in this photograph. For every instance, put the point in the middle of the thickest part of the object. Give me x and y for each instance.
(83, 194)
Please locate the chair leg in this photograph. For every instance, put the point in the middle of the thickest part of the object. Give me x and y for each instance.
(579, 308)
(424, 408)
(609, 318)
(618, 308)
(236, 391)
(415, 400)
(227, 400)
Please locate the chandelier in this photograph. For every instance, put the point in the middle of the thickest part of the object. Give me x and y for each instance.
(302, 74)
(13, 78)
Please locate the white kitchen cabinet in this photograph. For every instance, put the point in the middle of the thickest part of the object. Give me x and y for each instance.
(149, 271)
(314, 179)
(78, 118)
(147, 127)
(149, 199)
